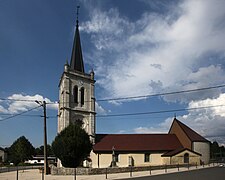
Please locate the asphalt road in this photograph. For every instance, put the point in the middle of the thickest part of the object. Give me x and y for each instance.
(215, 173)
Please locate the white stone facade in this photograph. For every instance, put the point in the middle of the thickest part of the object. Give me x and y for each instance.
(75, 105)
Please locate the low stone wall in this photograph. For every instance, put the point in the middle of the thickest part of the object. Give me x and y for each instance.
(92, 171)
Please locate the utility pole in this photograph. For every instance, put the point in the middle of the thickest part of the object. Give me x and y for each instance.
(46, 170)
(45, 141)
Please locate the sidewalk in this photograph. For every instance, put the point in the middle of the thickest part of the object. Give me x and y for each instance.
(34, 174)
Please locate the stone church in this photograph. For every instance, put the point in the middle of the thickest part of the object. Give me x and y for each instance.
(77, 104)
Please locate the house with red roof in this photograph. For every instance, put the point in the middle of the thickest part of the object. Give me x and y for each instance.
(181, 145)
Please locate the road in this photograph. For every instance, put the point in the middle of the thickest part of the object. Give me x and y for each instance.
(216, 173)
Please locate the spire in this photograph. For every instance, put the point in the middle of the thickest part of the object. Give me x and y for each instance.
(76, 62)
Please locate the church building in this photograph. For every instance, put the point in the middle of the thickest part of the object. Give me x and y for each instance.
(179, 146)
(76, 92)
(77, 105)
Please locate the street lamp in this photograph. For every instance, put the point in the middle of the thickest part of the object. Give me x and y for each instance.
(43, 104)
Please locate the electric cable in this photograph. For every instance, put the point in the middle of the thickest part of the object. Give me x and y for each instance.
(158, 112)
(130, 97)
(19, 113)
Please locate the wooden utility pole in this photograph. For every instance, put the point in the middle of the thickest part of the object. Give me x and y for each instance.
(46, 170)
(45, 141)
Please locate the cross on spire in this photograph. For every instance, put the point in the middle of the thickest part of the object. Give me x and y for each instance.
(76, 62)
(77, 15)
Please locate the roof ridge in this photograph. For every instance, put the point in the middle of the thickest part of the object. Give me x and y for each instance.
(185, 128)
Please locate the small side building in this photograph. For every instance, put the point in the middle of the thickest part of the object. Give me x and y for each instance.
(191, 140)
(3, 155)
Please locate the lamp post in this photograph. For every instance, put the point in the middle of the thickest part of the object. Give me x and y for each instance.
(43, 104)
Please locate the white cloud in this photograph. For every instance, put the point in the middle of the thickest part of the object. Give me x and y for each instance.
(159, 128)
(183, 46)
(100, 110)
(26, 102)
(178, 50)
(105, 27)
(3, 110)
(20, 102)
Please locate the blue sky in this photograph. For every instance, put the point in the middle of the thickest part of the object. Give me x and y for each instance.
(136, 47)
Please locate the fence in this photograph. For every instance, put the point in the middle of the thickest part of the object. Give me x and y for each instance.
(95, 171)
(106, 173)
(15, 168)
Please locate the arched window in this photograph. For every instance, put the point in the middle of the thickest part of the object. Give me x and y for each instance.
(186, 158)
(82, 96)
(75, 93)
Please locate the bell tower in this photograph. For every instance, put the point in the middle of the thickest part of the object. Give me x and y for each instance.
(76, 92)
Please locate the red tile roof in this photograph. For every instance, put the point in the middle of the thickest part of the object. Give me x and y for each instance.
(192, 135)
(136, 142)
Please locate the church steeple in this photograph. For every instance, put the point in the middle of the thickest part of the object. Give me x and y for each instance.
(76, 62)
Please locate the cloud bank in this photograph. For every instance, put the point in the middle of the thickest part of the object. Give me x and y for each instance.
(18, 103)
(179, 50)
(209, 122)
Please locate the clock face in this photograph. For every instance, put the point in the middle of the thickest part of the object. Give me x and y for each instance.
(85, 123)
(80, 82)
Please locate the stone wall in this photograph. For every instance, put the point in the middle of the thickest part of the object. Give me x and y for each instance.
(92, 171)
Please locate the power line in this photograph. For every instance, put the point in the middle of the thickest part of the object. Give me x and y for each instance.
(130, 97)
(158, 112)
(28, 115)
(22, 100)
(211, 136)
(126, 98)
(126, 114)
(19, 113)
(151, 95)
(162, 94)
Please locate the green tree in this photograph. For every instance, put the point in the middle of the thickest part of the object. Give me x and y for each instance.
(40, 150)
(72, 145)
(20, 150)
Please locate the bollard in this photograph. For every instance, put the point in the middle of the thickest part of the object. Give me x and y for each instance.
(75, 174)
(203, 164)
(131, 171)
(196, 165)
(17, 173)
(150, 170)
(165, 169)
(106, 173)
(42, 172)
(188, 166)
(178, 168)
